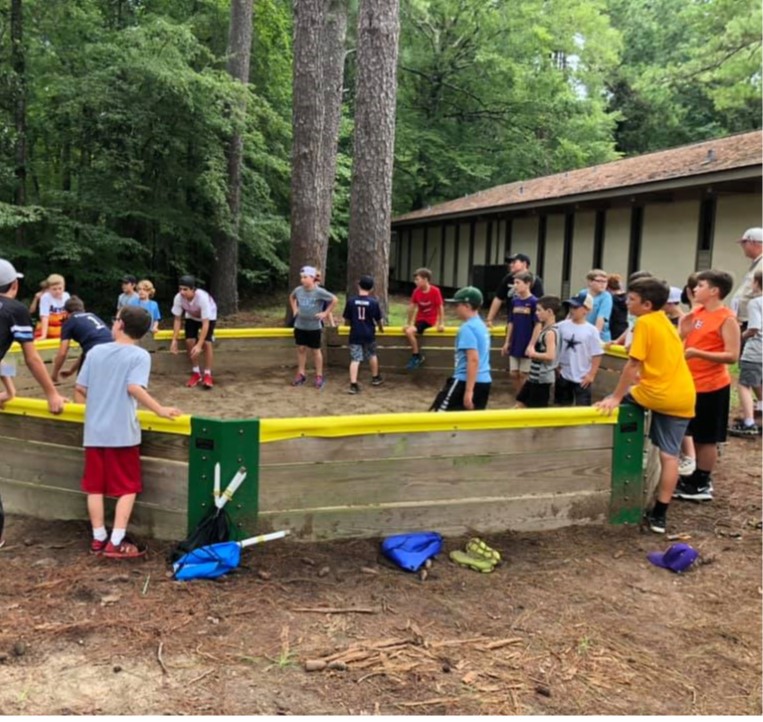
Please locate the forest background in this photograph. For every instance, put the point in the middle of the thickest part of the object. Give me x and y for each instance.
(128, 113)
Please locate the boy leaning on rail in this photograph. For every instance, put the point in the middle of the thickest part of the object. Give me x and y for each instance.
(112, 383)
(658, 378)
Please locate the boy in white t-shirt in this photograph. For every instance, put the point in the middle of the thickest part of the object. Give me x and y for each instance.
(751, 362)
(52, 313)
(579, 354)
(200, 312)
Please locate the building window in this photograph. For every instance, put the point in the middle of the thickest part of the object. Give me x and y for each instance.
(637, 226)
(598, 239)
(705, 234)
(507, 238)
(541, 245)
(569, 229)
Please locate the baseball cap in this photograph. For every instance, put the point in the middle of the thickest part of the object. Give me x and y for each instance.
(129, 278)
(678, 558)
(752, 234)
(8, 274)
(518, 257)
(467, 294)
(308, 271)
(188, 281)
(675, 295)
(582, 300)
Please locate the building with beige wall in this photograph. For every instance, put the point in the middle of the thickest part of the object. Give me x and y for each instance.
(670, 212)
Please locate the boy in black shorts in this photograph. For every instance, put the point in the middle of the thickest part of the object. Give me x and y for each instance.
(544, 357)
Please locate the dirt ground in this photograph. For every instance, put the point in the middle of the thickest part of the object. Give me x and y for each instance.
(574, 622)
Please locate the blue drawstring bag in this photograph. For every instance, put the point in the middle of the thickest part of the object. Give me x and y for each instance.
(411, 551)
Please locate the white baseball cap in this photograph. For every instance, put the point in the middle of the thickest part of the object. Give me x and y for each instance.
(675, 295)
(8, 273)
(753, 234)
(308, 271)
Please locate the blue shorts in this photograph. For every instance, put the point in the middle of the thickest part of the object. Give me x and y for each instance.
(667, 432)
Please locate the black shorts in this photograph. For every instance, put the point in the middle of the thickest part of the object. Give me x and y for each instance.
(534, 395)
(422, 326)
(711, 417)
(570, 393)
(451, 396)
(193, 328)
(311, 339)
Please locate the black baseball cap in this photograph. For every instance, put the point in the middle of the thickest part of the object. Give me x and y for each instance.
(188, 281)
(129, 278)
(518, 257)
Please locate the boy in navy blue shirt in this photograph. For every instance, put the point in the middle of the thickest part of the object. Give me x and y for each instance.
(86, 329)
(363, 315)
(469, 387)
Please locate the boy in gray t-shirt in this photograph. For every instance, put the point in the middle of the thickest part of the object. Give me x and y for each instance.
(307, 306)
(111, 384)
(751, 363)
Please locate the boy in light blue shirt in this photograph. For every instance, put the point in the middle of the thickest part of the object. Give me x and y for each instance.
(469, 387)
(602, 303)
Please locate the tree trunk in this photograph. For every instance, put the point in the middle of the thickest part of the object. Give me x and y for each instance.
(225, 272)
(371, 193)
(18, 66)
(307, 131)
(334, 35)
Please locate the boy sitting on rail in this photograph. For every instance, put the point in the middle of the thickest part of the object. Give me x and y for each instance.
(427, 306)
(363, 314)
(658, 378)
(112, 382)
(86, 329)
(469, 387)
(544, 357)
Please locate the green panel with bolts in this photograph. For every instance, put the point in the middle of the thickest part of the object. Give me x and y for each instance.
(234, 444)
(627, 466)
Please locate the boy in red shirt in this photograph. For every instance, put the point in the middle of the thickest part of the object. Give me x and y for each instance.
(426, 303)
(711, 342)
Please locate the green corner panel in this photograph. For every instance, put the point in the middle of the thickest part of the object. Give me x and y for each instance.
(627, 466)
(233, 444)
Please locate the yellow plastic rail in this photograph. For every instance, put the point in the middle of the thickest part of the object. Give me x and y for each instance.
(75, 413)
(422, 422)
(235, 333)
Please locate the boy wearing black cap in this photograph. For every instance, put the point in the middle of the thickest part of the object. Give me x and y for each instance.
(129, 296)
(469, 387)
(200, 312)
(517, 263)
(363, 315)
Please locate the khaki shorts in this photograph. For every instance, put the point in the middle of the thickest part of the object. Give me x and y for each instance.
(519, 364)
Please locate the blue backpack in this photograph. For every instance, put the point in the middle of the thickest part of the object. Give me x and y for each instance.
(410, 551)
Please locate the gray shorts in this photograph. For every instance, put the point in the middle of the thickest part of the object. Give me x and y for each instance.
(750, 374)
(362, 351)
(667, 433)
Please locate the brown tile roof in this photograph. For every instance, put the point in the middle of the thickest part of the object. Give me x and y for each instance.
(736, 151)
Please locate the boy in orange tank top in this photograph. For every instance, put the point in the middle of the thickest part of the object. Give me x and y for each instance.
(711, 341)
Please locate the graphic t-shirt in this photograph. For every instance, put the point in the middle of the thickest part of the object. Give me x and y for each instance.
(110, 418)
(705, 334)
(506, 290)
(542, 372)
(522, 318)
(579, 343)
(86, 329)
(753, 347)
(15, 324)
(310, 303)
(473, 334)
(665, 384)
(201, 307)
(428, 304)
(362, 312)
(52, 308)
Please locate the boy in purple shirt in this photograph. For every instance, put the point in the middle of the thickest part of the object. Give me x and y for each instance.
(522, 329)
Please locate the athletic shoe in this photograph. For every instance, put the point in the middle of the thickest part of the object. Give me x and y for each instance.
(686, 465)
(411, 363)
(97, 546)
(742, 429)
(354, 389)
(688, 491)
(377, 381)
(416, 362)
(194, 381)
(207, 381)
(319, 381)
(656, 522)
(125, 550)
(299, 380)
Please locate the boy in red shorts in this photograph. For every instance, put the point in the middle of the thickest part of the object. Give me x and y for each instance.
(112, 383)
(426, 303)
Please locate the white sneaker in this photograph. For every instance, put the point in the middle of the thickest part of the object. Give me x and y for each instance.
(686, 465)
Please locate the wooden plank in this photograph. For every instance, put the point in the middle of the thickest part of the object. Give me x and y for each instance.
(291, 486)
(454, 518)
(44, 502)
(156, 445)
(60, 467)
(455, 443)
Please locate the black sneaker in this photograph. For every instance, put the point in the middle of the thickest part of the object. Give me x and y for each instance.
(688, 491)
(377, 380)
(742, 429)
(656, 522)
(354, 389)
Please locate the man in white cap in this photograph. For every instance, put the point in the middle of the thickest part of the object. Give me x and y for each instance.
(752, 247)
(16, 325)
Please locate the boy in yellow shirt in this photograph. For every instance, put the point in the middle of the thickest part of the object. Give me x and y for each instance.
(658, 378)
